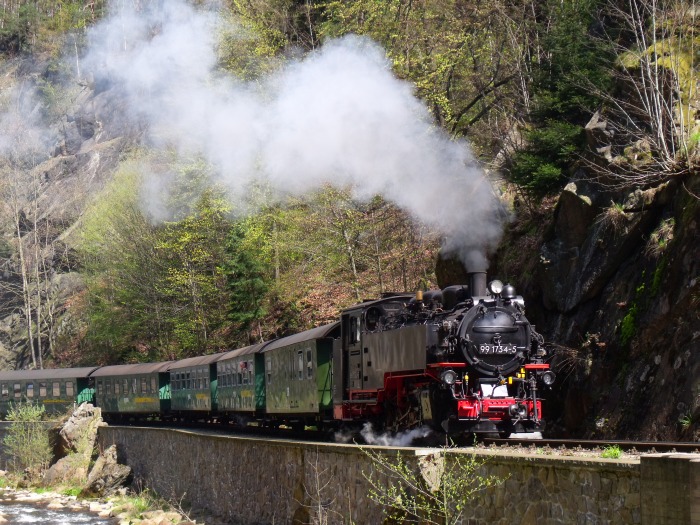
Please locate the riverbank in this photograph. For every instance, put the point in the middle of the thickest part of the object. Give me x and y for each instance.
(117, 510)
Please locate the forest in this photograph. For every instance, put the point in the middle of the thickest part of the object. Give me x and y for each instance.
(140, 221)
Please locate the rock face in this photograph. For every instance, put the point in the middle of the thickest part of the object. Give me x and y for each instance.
(77, 441)
(107, 475)
(615, 285)
(84, 145)
(79, 433)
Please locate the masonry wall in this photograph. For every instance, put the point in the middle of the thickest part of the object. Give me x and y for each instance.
(250, 481)
(263, 482)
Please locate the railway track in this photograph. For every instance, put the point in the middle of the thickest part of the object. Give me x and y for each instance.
(632, 447)
(563, 445)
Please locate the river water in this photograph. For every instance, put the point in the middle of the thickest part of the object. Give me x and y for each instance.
(20, 512)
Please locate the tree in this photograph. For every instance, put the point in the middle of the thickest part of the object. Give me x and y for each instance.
(248, 277)
(652, 109)
(566, 62)
(195, 281)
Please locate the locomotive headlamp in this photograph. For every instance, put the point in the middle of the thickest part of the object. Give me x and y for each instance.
(449, 377)
(548, 378)
(495, 287)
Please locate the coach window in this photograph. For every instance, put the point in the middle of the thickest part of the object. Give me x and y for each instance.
(144, 385)
(239, 379)
(18, 389)
(125, 386)
(134, 385)
(206, 378)
(116, 387)
(5, 391)
(42, 389)
(69, 388)
(300, 364)
(108, 387)
(154, 387)
(30, 390)
(56, 390)
(250, 373)
(99, 387)
(268, 368)
(309, 365)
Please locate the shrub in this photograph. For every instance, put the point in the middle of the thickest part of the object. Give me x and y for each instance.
(27, 443)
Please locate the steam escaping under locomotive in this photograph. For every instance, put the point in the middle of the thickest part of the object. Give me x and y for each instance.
(460, 360)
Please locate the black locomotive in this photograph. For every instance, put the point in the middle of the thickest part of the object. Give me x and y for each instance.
(461, 359)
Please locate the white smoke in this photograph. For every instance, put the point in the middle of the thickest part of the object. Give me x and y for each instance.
(387, 439)
(338, 115)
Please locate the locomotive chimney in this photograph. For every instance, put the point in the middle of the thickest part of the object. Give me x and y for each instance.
(478, 284)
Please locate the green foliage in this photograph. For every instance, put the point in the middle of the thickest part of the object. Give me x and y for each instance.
(156, 290)
(194, 284)
(611, 452)
(542, 166)
(659, 274)
(27, 25)
(570, 68)
(628, 326)
(247, 275)
(435, 490)
(27, 443)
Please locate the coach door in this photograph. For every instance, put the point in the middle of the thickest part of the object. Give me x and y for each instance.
(352, 348)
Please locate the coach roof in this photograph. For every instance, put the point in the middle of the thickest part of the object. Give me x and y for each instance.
(48, 373)
(129, 370)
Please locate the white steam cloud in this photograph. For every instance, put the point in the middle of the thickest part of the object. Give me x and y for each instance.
(387, 439)
(338, 115)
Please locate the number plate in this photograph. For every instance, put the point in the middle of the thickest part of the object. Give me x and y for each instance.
(488, 349)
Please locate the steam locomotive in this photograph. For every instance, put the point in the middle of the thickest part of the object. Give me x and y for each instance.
(461, 360)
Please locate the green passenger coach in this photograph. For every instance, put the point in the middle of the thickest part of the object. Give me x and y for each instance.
(57, 390)
(193, 385)
(241, 381)
(298, 374)
(133, 391)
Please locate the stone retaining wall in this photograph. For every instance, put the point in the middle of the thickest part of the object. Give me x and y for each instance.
(251, 481)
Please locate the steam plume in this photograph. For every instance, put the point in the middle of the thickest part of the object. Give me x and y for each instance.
(337, 115)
